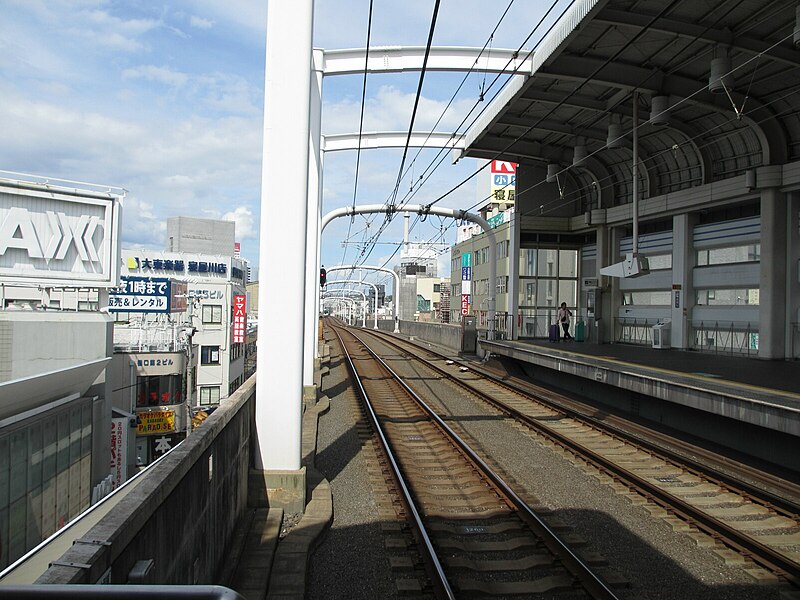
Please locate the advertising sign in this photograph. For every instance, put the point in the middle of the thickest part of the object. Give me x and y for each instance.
(54, 239)
(155, 422)
(464, 304)
(162, 444)
(504, 181)
(178, 302)
(140, 294)
(239, 318)
(119, 445)
(466, 259)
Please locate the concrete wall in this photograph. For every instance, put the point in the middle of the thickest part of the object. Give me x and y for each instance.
(182, 514)
(443, 334)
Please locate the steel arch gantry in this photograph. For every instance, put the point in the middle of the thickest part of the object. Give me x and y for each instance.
(383, 60)
(360, 282)
(395, 303)
(292, 174)
(343, 294)
(455, 213)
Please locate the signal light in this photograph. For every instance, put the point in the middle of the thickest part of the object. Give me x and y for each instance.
(323, 277)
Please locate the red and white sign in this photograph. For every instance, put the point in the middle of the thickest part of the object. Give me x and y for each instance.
(119, 442)
(464, 304)
(503, 166)
(239, 318)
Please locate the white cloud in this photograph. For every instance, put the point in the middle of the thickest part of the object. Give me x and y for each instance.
(246, 226)
(141, 226)
(200, 22)
(163, 75)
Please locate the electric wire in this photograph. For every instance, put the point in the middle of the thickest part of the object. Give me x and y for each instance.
(361, 118)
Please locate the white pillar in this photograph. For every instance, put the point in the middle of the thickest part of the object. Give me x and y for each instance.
(513, 275)
(772, 298)
(282, 255)
(314, 207)
(683, 263)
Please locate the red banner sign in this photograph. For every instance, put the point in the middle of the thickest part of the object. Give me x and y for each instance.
(464, 304)
(239, 319)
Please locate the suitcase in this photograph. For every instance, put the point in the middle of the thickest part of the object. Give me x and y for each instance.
(554, 335)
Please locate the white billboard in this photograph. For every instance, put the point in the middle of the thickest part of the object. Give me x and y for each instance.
(49, 237)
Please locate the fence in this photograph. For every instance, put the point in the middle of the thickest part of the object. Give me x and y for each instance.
(726, 337)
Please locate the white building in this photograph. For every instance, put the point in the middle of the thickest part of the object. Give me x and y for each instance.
(215, 357)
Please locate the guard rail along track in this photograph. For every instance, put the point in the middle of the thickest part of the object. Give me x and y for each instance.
(476, 536)
(762, 527)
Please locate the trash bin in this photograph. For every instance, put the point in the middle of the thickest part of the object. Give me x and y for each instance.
(661, 335)
(580, 331)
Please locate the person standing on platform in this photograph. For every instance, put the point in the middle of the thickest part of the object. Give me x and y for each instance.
(563, 317)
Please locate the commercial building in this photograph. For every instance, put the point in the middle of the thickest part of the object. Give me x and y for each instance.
(208, 334)
(59, 253)
(204, 236)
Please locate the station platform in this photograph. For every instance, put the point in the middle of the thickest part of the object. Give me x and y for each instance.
(759, 392)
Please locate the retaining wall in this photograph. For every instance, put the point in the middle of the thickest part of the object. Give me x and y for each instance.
(443, 334)
(183, 513)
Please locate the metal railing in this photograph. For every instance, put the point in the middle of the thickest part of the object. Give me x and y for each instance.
(725, 337)
(629, 330)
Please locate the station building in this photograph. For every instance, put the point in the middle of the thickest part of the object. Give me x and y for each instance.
(657, 185)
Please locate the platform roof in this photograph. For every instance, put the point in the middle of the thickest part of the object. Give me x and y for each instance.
(585, 72)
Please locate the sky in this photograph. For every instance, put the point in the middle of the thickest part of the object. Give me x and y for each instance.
(165, 99)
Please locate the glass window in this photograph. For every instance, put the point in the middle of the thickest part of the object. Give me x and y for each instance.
(155, 390)
(502, 285)
(731, 254)
(657, 298)
(437, 288)
(527, 262)
(209, 395)
(212, 313)
(547, 263)
(567, 292)
(209, 355)
(546, 293)
(527, 293)
(659, 262)
(735, 297)
(567, 263)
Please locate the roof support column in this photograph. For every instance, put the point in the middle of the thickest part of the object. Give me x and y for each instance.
(684, 260)
(282, 255)
(772, 327)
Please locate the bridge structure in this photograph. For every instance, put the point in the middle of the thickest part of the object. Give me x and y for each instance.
(711, 93)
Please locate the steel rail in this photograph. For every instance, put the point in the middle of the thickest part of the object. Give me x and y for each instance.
(742, 543)
(764, 497)
(574, 564)
(433, 559)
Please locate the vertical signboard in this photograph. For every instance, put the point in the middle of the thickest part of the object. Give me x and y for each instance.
(119, 445)
(466, 281)
(239, 318)
(504, 181)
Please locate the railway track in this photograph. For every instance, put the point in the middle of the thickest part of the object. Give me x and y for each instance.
(744, 522)
(476, 536)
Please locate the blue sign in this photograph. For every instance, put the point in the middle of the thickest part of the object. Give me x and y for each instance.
(140, 294)
(466, 273)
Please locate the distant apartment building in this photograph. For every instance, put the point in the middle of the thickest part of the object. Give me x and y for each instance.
(202, 236)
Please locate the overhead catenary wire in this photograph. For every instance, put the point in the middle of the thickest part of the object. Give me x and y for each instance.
(361, 119)
(496, 78)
